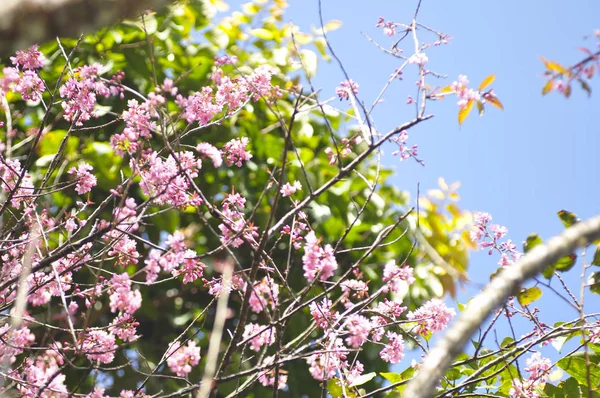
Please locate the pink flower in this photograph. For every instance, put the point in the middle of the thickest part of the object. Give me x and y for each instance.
(199, 106)
(347, 87)
(538, 367)
(13, 342)
(79, 93)
(122, 297)
(322, 314)
(393, 351)
(259, 83)
(210, 152)
(317, 260)
(182, 358)
(99, 345)
(85, 180)
(418, 59)
(124, 327)
(358, 328)
(267, 378)
(325, 365)
(258, 335)
(31, 58)
(394, 276)
(264, 293)
(389, 28)
(432, 317)
(235, 152)
(287, 189)
(163, 181)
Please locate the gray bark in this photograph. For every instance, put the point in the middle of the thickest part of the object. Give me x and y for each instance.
(27, 22)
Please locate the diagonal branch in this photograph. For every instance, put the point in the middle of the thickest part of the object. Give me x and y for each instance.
(496, 293)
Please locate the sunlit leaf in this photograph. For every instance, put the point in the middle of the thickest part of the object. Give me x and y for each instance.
(261, 33)
(309, 62)
(464, 112)
(332, 25)
(486, 82)
(584, 372)
(446, 90)
(594, 282)
(568, 218)
(596, 259)
(565, 263)
(391, 377)
(492, 99)
(555, 67)
(528, 296)
(362, 379)
(480, 108)
(548, 87)
(532, 241)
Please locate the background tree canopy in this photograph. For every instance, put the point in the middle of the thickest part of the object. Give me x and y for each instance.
(181, 43)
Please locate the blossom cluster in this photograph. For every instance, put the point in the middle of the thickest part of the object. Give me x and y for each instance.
(488, 236)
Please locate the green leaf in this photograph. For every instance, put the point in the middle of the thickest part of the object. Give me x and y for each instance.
(528, 296)
(480, 108)
(568, 218)
(362, 379)
(532, 241)
(559, 341)
(585, 87)
(576, 366)
(596, 259)
(594, 282)
(566, 263)
(391, 377)
(486, 82)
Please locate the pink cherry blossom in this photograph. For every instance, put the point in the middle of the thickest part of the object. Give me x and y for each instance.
(182, 358)
(393, 351)
(432, 317)
(235, 152)
(317, 260)
(99, 345)
(288, 189)
(85, 180)
(258, 335)
(31, 58)
(346, 88)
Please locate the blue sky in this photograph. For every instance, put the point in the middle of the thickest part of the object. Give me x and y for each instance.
(522, 164)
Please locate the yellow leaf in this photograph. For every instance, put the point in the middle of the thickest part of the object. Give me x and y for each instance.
(332, 25)
(555, 67)
(464, 112)
(446, 90)
(495, 101)
(487, 81)
(303, 38)
(261, 33)
(548, 87)
(436, 194)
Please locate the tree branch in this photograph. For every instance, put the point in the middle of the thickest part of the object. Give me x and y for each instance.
(496, 293)
(26, 22)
